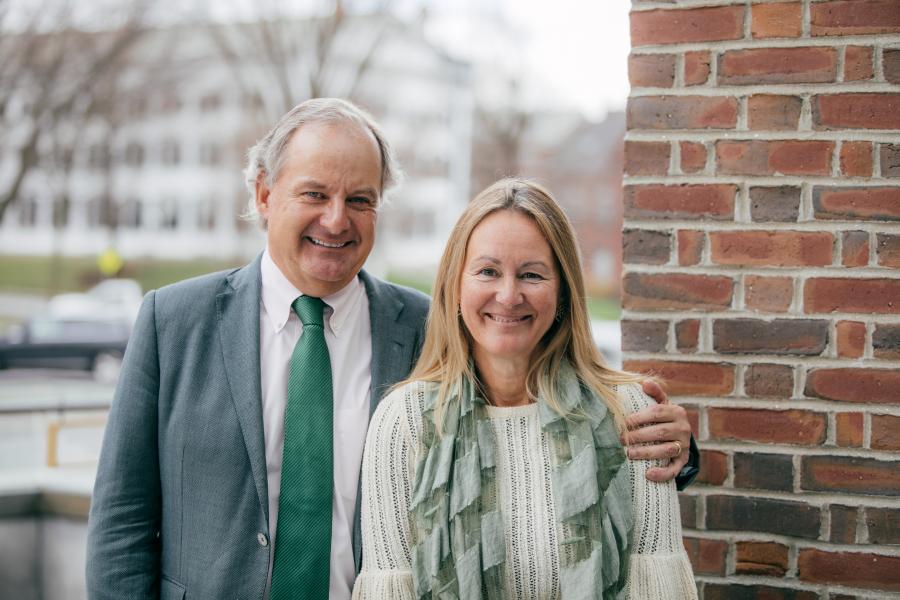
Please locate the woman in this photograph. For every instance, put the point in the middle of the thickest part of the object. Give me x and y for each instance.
(497, 469)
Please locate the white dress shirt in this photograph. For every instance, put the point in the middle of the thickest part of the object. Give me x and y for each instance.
(348, 336)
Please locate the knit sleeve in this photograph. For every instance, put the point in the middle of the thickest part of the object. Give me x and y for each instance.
(659, 566)
(388, 471)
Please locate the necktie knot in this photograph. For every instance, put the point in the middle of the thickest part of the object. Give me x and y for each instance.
(309, 310)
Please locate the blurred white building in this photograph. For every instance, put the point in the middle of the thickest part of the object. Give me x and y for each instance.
(160, 173)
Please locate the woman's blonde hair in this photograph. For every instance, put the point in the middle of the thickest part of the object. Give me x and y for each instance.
(446, 352)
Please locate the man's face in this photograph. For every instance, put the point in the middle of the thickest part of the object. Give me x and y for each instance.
(321, 211)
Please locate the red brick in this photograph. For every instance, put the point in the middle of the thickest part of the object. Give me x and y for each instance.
(782, 517)
(843, 524)
(875, 386)
(713, 467)
(707, 556)
(688, 378)
(851, 339)
(689, 25)
(676, 291)
(771, 294)
(851, 569)
(885, 432)
(886, 341)
(850, 474)
(835, 294)
(776, 20)
(890, 63)
(857, 203)
(811, 64)
(646, 158)
(651, 70)
(693, 416)
(856, 159)
(763, 471)
(688, 506)
(883, 525)
(644, 246)
(771, 248)
(644, 336)
(775, 204)
(805, 337)
(735, 591)
(856, 111)
(780, 157)
(761, 558)
(768, 111)
(855, 248)
(849, 430)
(890, 160)
(696, 68)
(690, 247)
(854, 17)
(687, 335)
(681, 112)
(769, 381)
(692, 202)
(767, 426)
(858, 65)
(887, 247)
(693, 157)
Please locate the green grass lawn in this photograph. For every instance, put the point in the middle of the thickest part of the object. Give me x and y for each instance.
(47, 275)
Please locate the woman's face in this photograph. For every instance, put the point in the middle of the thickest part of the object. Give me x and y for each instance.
(509, 287)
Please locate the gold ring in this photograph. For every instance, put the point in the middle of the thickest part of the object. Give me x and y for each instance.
(678, 449)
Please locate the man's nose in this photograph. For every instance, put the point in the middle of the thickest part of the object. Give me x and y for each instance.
(335, 218)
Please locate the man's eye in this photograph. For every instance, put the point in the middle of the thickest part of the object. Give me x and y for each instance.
(361, 200)
(314, 195)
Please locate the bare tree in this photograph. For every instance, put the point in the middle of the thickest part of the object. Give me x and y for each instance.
(51, 68)
(301, 57)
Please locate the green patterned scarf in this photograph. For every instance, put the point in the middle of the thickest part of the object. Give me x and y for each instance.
(459, 546)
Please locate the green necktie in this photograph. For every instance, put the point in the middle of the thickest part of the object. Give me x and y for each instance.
(303, 541)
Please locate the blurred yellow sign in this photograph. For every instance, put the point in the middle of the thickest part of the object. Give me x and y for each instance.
(110, 262)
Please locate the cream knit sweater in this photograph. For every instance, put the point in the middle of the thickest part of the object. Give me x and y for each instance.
(659, 567)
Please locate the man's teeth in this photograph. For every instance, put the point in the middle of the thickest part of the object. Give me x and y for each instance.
(328, 245)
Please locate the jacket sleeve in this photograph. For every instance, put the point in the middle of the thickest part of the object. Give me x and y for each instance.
(123, 548)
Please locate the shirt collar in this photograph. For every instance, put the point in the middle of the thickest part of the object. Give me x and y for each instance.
(278, 293)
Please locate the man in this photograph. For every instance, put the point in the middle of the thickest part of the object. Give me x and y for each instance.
(226, 419)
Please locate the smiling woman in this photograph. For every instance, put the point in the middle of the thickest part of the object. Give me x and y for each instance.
(497, 470)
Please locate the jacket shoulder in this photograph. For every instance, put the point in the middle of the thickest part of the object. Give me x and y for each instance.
(190, 297)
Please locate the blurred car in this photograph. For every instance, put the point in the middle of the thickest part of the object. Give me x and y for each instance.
(51, 343)
(111, 299)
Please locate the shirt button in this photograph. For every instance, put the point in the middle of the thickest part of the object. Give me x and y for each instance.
(262, 539)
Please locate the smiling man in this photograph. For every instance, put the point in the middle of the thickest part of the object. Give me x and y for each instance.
(231, 459)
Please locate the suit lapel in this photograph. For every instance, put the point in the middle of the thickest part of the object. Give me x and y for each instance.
(393, 342)
(238, 316)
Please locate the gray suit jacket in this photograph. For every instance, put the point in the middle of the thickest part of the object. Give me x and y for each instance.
(180, 504)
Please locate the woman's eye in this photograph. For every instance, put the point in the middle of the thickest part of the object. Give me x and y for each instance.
(532, 276)
(488, 272)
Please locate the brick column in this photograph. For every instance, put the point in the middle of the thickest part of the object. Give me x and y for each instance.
(762, 281)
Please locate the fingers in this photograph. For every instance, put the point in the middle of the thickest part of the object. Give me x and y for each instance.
(674, 450)
(666, 473)
(658, 413)
(655, 391)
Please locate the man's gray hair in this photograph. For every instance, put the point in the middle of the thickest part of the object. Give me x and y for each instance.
(267, 156)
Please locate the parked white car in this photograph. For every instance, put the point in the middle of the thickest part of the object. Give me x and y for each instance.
(109, 300)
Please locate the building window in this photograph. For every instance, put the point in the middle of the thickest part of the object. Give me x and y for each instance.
(137, 106)
(130, 214)
(171, 152)
(170, 102)
(206, 215)
(252, 102)
(210, 154)
(168, 214)
(98, 156)
(28, 210)
(134, 154)
(210, 102)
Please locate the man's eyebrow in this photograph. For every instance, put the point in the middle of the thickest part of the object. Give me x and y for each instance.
(308, 182)
(367, 191)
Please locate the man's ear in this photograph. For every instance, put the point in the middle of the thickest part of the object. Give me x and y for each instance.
(262, 196)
